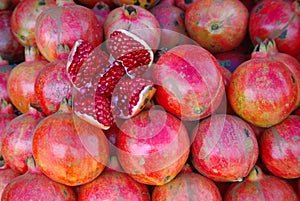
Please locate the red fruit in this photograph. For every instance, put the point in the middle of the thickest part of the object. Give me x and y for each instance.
(65, 24)
(20, 83)
(5, 70)
(258, 186)
(262, 91)
(142, 3)
(192, 186)
(278, 20)
(189, 82)
(17, 139)
(280, 148)
(6, 176)
(78, 151)
(101, 10)
(231, 60)
(92, 3)
(24, 17)
(153, 147)
(167, 2)
(183, 4)
(33, 185)
(218, 26)
(10, 49)
(52, 84)
(135, 19)
(224, 148)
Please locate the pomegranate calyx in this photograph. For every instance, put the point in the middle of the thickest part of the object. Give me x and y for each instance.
(255, 174)
(32, 53)
(32, 166)
(65, 106)
(130, 10)
(62, 51)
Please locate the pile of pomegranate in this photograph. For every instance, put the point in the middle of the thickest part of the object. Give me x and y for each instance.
(141, 100)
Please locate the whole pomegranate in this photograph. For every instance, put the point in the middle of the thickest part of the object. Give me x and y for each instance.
(65, 24)
(192, 186)
(262, 90)
(259, 186)
(218, 26)
(5, 70)
(24, 17)
(224, 148)
(280, 148)
(189, 82)
(17, 139)
(10, 49)
(78, 151)
(34, 185)
(6, 176)
(20, 83)
(52, 83)
(136, 20)
(278, 20)
(153, 147)
(142, 3)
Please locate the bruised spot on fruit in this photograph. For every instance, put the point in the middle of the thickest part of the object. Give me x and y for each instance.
(283, 34)
(259, 8)
(246, 132)
(167, 179)
(295, 138)
(176, 23)
(293, 79)
(42, 2)
(188, 1)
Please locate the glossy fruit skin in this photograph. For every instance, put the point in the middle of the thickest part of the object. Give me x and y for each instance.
(192, 186)
(218, 26)
(65, 24)
(75, 158)
(6, 176)
(104, 188)
(17, 140)
(10, 49)
(262, 91)
(199, 89)
(259, 187)
(224, 148)
(151, 136)
(135, 19)
(280, 148)
(24, 17)
(278, 20)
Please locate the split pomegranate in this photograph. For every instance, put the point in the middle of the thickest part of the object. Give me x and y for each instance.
(5, 70)
(278, 20)
(192, 186)
(218, 26)
(67, 149)
(142, 3)
(20, 83)
(189, 82)
(65, 24)
(153, 147)
(17, 139)
(280, 148)
(6, 176)
(259, 186)
(52, 83)
(24, 17)
(101, 10)
(135, 19)
(224, 148)
(10, 49)
(262, 90)
(34, 185)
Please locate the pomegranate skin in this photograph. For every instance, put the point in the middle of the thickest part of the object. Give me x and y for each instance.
(192, 186)
(65, 24)
(280, 148)
(225, 148)
(153, 147)
(104, 188)
(6, 176)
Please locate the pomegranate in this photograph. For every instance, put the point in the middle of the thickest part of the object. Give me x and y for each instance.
(218, 26)
(231, 59)
(262, 90)
(65, 24)
(183, 4)
(5, 4)
(259, 186)
(151, 136)
(115, 90)
(24, 17)
(135, 19)
(92, 3)
(10, 49)
(5, 70)
(101, 10)
(189, 82)
(20, 83)
(170, 18)
(34, 185)
(278, 20)
(17, 139)
(6, 176)
(142, 3)
(224, 148)
(78, 151)
(280, 148)
(52, 84)
(192, 186)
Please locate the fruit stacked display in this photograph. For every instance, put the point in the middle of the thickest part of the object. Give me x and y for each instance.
(149, 100)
